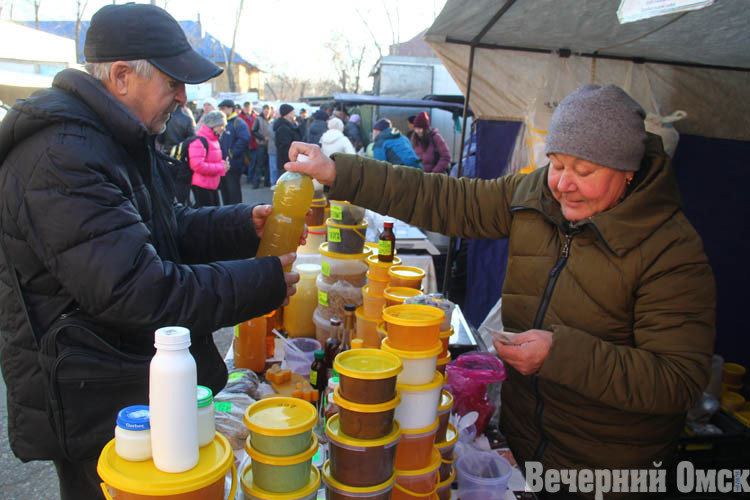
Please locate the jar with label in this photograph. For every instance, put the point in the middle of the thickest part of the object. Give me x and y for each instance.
(206, 419)
(318, 377)
(133, 434)
(386, 243)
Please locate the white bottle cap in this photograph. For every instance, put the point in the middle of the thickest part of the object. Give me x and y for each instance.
(172, 338)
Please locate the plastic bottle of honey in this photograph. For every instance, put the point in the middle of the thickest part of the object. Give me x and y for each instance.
(386, 243)
(283, 228)
(250, 344)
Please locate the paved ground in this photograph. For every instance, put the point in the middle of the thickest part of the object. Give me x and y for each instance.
(38, 480)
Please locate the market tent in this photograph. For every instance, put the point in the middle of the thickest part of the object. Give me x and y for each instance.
(515, 59)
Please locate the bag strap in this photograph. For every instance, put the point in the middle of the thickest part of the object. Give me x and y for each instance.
(19, 294)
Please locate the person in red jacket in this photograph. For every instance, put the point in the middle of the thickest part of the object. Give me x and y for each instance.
(248, 115)
(430, 146)
(206, 163)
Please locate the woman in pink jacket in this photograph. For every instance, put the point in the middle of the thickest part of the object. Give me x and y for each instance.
(207, 165)
(430, 146)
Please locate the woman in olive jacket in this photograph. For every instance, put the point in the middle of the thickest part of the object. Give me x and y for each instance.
(608, 290)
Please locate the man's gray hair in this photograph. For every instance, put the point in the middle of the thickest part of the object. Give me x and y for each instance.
(100, 70)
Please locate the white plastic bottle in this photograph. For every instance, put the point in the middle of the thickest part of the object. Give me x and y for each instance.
(173, 383)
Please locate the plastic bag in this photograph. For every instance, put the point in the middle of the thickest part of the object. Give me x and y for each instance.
(436, 300)
(229, 410)
(243, 381)
(468, 377)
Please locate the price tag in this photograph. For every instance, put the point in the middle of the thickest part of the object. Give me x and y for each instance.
(336, 212)
(325, 268)
(237, 331)
(322, 298)
(234, 376)
(334, 234)
(384, 247)
(224, 406)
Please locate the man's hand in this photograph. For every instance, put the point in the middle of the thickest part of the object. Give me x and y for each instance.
(319, 166)
(529, 352)
(290, 278)
(261, 214)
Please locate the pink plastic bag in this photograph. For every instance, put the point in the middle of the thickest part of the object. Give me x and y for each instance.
(468, 377)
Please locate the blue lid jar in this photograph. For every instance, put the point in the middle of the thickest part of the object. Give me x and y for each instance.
(134, 418)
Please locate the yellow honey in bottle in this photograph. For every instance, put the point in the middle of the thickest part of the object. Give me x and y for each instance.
(283, 228)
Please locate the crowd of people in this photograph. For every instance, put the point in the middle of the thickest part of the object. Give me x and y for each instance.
(254, 142)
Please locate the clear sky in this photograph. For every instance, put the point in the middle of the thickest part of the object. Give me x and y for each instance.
(287, 36)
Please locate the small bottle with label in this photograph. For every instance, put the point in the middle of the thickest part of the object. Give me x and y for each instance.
(318, 378)
(333, 344)
(133, 434)
(349, 331)
(386, 243)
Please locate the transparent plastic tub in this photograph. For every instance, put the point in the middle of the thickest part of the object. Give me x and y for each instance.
(332, 297)
(343, 212)
(342, 267)
(482, 476)
(299, 362)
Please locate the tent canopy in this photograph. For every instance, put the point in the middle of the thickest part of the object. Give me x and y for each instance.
(696, 61)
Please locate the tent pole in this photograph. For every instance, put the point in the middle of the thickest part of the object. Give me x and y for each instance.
(452, 243)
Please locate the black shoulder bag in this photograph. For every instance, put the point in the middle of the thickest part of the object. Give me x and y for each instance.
(91, 373)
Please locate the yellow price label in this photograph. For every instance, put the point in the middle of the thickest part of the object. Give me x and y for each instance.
(336, 212)
(322, 298)
(325, 268)
(334, 234)
(237, 331)
(384, 247)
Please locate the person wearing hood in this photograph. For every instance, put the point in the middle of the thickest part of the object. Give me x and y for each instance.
(334, 140)
(286, 132)
(206, 162)
(318, 127)
(391, 146)
(430, 146)
(95, 254)
(353, 132)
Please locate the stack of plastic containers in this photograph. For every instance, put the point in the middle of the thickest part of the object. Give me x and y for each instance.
(347, 228)
(362, 438)
(445, 442)
(414, 336)
(371, 313)
(281, 446)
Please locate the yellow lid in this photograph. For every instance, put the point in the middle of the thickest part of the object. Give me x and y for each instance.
(445, 359)
(437, 381)
(446, 401)
(280, 416)
(246, 480)
(360, 312)
(333, 431)
(357, 491)
(413, 315)
(449, 480)
(732, 397)
(367, 364)
(357, 343)
(319, 202)
(435, 461)
(143, 478)
(733, 368)
(370, 277)
(278, 460)
(385, 345)
(451, 436)
(446, 334)
(316, 229)
(400, 293)
(381, 329)
(366, 291)
(408, 272)
(323, 250)
(362, 226)
(433, 427)
(373, 261)
(364, 408)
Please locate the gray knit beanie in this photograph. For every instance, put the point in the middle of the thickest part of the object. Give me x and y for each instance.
(215, 119)
(603, 125)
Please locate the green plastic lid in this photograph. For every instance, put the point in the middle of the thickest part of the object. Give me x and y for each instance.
(205, 396)
(320, 354)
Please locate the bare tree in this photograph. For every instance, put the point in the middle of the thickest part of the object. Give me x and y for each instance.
(284, 87)
(36, 3)
(228, 60)
(347, 61)
(80, 8)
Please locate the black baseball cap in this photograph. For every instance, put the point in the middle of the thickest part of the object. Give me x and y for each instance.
(141, 31)
(226, 103)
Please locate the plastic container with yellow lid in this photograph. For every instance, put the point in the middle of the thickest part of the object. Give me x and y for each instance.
(361, 462)
(419, 403)
(364, 421)
(367, 328)
(282, 474)
(368, 376)
(345, 238)
(342, 267)
(315, 236)
(396, 295)
(377, 287)
(445, 338)
(446, 447)
(444, 487)
(373, 303)
(443, 362)
(733, 374)
(253, 492)
(338, 491)
(343, 212)
(414, 451)
(280, 426)
(421, 483)
(408, 276)
(143, 481)
(419, 366)
(379, 270)
(444, 414)
(413, 327)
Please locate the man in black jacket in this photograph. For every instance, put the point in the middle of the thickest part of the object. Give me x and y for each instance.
(88, 228)
(287, 132)
(234, 143)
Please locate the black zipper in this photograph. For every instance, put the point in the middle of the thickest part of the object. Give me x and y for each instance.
(538, 321)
